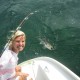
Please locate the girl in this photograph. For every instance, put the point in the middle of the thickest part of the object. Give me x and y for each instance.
(9, 58)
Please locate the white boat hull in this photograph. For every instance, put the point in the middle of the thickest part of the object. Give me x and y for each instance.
(45, 68)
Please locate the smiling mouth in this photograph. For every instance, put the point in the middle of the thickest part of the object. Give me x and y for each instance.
(20, 47)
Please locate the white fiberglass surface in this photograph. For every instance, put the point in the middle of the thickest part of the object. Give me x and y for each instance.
(52, 72)
(47, 69)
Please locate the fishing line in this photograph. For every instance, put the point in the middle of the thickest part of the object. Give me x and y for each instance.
(18, 28)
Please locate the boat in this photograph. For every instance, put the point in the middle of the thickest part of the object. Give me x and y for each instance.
(46, 68)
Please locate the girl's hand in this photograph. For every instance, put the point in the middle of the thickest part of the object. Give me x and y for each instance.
(18, 68)
(23, 76)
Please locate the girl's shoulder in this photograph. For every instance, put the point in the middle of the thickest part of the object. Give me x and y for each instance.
(7, 53)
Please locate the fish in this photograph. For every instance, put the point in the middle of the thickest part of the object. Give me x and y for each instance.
(46, 44)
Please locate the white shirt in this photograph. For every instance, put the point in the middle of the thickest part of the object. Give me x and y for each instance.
(8, 61)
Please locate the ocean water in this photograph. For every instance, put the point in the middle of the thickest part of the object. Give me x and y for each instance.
(52, 29)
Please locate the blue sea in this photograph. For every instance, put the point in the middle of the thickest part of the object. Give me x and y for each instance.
(52, 28)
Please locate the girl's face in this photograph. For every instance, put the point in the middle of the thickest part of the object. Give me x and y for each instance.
(18, 44)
